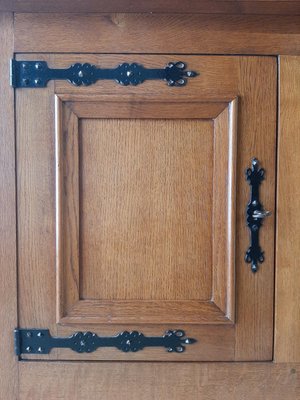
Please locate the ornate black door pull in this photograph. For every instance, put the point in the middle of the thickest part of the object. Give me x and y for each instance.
(39, 341)
(255, 215)
(36, 74)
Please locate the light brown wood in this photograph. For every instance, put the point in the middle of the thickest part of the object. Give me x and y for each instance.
(253, 81)
(255, 123)
(141, 277)
(152, 33)
(157, 381)
(158, 6)
(287, 316)
(36, 215)
(8, 287)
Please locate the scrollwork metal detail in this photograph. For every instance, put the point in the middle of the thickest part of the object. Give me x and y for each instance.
(255, 215)
(37, 74)
(40, 341)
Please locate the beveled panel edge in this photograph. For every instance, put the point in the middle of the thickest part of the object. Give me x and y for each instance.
(224, 278)
(153, 312)
(64, 300)
(70, 313)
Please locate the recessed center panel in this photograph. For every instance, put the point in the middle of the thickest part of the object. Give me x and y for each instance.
(145, 209)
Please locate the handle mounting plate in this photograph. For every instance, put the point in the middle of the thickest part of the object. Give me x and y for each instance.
(255, 215)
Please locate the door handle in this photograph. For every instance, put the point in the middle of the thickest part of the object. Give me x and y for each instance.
(255, 215)
(261, 214)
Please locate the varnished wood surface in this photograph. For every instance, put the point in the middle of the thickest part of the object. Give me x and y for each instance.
(149, 6)
(105, 274)
(142, 200)
(159, 381)
(287, 315)
(253, 80)
(152, 33)
(8, 288)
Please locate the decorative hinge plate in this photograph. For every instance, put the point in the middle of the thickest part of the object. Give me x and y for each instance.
(36, 74)
(40, 341)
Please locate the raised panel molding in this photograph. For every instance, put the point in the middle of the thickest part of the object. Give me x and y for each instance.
(71, 307)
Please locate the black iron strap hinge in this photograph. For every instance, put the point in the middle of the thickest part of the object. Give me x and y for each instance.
(36, 74)
(40, 341)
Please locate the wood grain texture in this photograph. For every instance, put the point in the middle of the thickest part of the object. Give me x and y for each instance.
(157, 381)
(152, 33)
(143, 198)
(256, 138)
(287, 316)
(253, 81)
(123, 245)
(224, 194)
(8, 281)
(35, 143)
(281, 7)
(67, 208)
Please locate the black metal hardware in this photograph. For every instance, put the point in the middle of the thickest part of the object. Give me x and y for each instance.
(40, 341)
(36, 74)
(255, 215)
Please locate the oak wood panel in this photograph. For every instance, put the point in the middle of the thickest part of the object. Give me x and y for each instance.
(253, 80)
(145, 311)
(8, 281)
(256, 121)
(287, 316)
(84, 108)
(67, 208)
(115, 271)
(149, 6)
(157, 381)
(35, 144)
(224, 187)
(152, 33)
(142, 203)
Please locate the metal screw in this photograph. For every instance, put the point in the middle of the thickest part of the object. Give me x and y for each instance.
(179, 333)
(129, 73)
(181, 82)
(26, 81)
(179, 349)
(40, 349)
(28, 334)
(24, 65)
(37, 81)
(80, 74)
(39, 334)
(82, 343)
(170, 349)
(28, 349)
(38, 65)
(128, 342)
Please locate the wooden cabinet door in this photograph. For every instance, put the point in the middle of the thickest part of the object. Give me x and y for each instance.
(132, 209)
